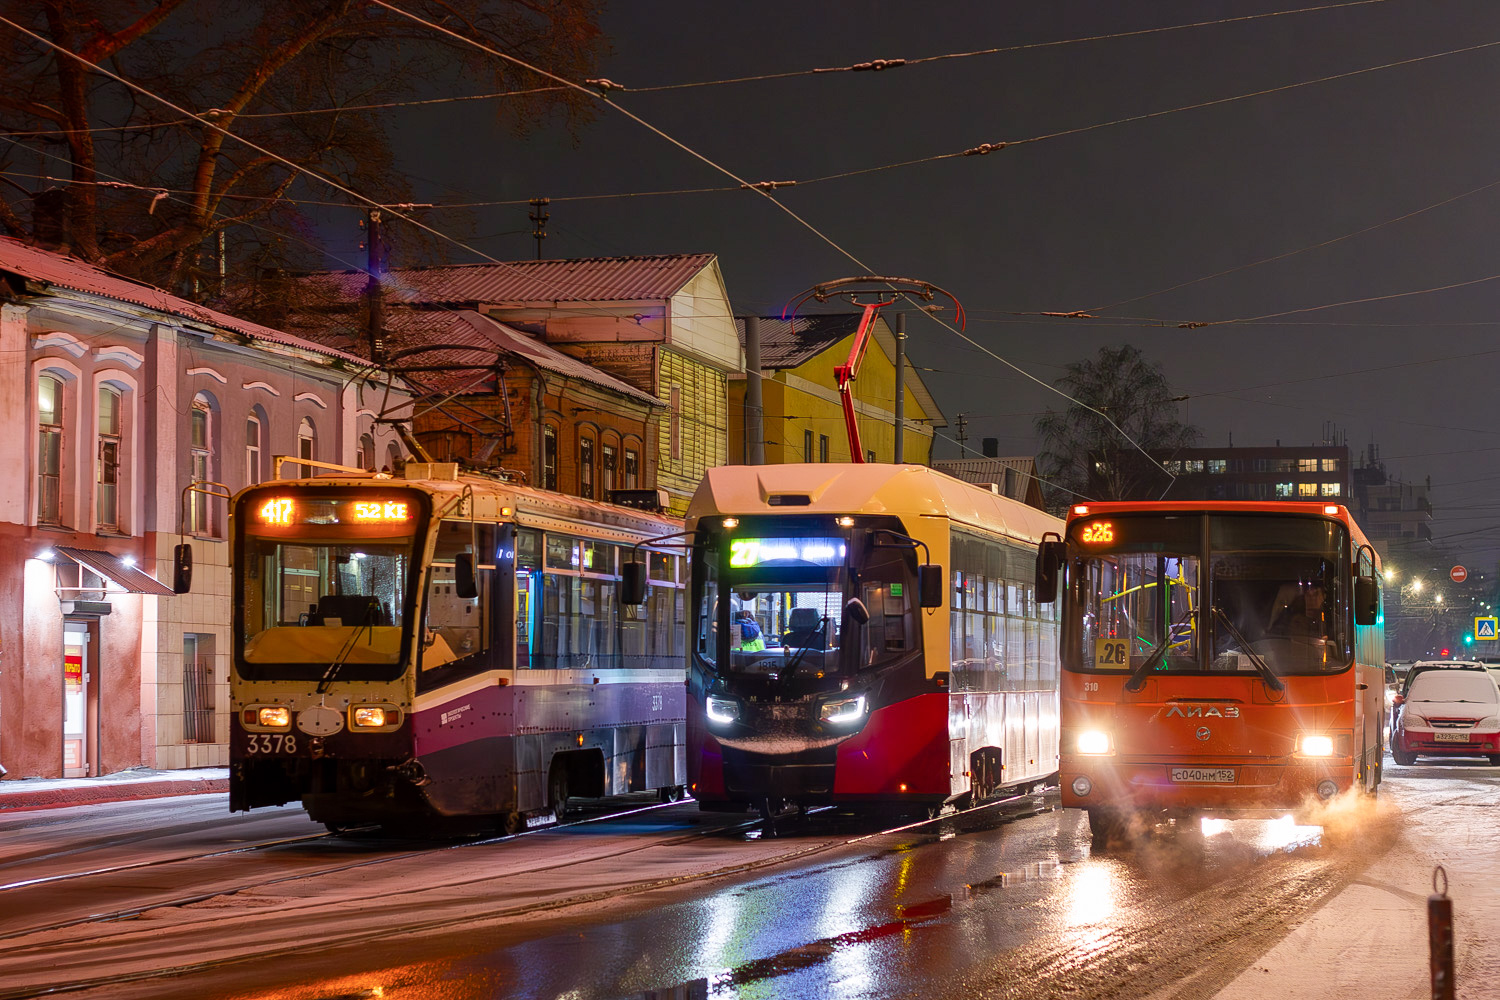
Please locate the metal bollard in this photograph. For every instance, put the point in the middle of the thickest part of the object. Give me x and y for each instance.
(1440, 936)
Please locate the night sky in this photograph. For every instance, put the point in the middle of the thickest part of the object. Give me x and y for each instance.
(1102, 220)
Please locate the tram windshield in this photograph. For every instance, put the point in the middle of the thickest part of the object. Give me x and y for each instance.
(1208, 593)
(786, 607)
(324, 580)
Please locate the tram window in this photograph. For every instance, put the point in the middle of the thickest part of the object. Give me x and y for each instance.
(562, 552)
(528, 549)
(597, 557)
(660, 567)
(456, 628)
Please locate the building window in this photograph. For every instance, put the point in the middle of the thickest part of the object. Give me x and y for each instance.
(200, 464)
(822, 447)
(107, 493)
(674, 427)
(586, 468)
(1332, 489)
(1261, 465)
(367, 452)
(252, 450)
(1218, 465)
(49, 450)
(632, 469)
(1193, 465)
(1307, 489)
(807, 452)
(307, 445)
(1307, 465)
(608, 479)
(1330, 465)
(549, 458)
(869, 456)
(1283, 489)
(198, 688)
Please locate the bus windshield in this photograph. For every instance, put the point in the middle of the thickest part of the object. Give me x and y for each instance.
(1208, 593)
(781, 606)
(324, 580)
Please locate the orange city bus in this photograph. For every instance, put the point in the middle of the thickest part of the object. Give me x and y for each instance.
(1218, 658)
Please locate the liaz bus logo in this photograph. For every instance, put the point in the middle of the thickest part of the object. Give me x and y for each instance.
(1204, 712)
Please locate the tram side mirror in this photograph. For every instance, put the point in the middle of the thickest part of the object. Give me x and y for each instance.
(856, 612)
(1366, 600)
(930, 585)
(633, 583)
(465, 583)
(182, 568)
(1049, 555)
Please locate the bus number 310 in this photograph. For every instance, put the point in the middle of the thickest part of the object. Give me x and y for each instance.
(272, 743)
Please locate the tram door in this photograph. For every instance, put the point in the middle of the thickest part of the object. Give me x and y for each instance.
(77, 670)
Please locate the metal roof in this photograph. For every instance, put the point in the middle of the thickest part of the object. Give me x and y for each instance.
(59, 271)
(584, 279)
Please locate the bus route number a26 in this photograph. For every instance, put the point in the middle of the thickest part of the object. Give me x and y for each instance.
(1111, 654)
(272, 743)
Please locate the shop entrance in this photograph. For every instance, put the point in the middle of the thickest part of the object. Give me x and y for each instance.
(80, 750)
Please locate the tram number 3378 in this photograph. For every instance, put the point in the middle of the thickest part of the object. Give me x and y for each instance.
(272, 743)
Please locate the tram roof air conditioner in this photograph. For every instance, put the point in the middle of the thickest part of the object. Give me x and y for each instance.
(441, 471)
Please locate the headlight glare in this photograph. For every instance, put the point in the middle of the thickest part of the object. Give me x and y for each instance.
(843, 710)
(276, 717)
(1094, 741)
(721, 710)
(369, 717)
(1313, 745)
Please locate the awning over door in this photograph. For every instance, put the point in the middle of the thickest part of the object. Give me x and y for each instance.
(113, 569)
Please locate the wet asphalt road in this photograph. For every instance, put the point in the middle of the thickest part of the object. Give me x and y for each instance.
(1008, 901)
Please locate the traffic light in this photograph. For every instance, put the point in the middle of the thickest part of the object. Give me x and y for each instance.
(1468, 640)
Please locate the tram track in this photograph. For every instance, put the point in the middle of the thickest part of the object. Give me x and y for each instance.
(361, 934)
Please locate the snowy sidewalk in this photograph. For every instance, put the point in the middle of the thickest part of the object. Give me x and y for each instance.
(1370, 941)
(134, 783)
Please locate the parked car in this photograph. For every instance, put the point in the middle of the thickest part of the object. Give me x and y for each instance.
(1446, 708)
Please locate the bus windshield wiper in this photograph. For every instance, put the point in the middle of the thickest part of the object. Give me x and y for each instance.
(1262, 667)
(1158, 653)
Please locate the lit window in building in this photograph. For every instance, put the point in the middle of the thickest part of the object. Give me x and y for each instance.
(1307, 465)
(1330, 465)
(1307, 489)
(1283, 489)
(1218, 465)
(1332, 489)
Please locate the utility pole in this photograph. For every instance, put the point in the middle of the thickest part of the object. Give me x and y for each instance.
(960, 432)
(900, 452)
(539, 222)
(375, 267)
(755, 449)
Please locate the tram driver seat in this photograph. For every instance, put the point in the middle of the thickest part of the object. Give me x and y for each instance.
(803, 627)
(349, 609)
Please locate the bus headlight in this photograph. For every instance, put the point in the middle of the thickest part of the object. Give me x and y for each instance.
(721, 710)
(373, 716)
(1095, 742)
(1315, 745)
(276, 718)
(842, 710)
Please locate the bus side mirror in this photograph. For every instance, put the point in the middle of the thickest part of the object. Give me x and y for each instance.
(182, 568)
(633, 583)
(1049, 555)
(856, 612)
(930, 585)
(1366, 600)
(465, 584)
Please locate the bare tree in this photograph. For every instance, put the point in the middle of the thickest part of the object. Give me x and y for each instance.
(94, 168)
(1083, 455)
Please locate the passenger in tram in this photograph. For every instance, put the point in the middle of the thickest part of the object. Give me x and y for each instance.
(751, 640)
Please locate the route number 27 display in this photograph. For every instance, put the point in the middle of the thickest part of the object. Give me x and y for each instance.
(272, 743)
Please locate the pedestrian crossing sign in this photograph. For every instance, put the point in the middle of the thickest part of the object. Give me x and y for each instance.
(1485, 628)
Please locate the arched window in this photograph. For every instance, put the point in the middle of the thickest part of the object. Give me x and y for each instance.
(107, 486)
(549, 457)
(307, 445)
(253, 431)
(200, 464)
(49, 419)
(586, 467)
(367, 452)
(392, 459)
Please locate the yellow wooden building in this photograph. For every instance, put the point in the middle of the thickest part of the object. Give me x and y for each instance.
(804, 419)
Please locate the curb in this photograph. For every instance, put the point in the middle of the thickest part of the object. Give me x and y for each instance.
(56, 798)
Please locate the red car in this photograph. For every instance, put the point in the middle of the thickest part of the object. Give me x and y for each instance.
(1447, 709)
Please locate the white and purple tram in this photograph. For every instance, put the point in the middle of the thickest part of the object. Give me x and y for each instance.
(446, 651)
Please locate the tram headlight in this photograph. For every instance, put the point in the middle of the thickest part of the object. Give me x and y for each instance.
(1095, 742)
(374, 716)
(1315, 745)
(842, 710)
(278, 717)
(721, 710)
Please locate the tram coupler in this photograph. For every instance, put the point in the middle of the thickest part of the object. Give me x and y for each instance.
(1440, 936)
(412, 770)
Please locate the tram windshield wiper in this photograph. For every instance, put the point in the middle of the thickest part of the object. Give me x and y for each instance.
(1158, 653)
(1262, 667)
(821, 630)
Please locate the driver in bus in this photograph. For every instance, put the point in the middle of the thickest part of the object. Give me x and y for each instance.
(751, 640)
(1299, 611)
